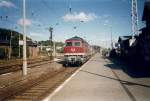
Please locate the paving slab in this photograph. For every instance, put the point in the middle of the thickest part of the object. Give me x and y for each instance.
(93, 82)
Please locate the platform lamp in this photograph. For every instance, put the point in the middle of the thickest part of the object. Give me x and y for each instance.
(51, 42)
(24, 68)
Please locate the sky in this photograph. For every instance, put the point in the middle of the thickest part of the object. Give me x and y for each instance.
(93, 20)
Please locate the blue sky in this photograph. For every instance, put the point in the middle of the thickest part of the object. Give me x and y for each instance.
(90, 19)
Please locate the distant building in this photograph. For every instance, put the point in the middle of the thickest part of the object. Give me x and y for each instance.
(144, 37)
(9, 44)
(140, 52)
(146, 14)
(123, 47)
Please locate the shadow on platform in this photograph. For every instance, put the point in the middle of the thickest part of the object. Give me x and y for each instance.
(111, 78)
(131, 70)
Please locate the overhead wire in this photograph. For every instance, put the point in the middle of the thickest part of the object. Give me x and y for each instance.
(51, 9)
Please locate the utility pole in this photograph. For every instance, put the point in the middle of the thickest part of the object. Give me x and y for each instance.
(111, 37)
(51, 42)
(24, 68)
(54, 49)
(19, 46)
(134, 15)
(10, 46)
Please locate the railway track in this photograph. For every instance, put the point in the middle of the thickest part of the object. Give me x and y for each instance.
(12, 67)
(34, 90)
(31, 89)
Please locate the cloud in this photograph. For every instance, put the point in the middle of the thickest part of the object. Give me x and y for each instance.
(106, 22)
(34, 34)
(27, 22)
(104, 19)
(7, 4)
(104, 16)
(79, 17)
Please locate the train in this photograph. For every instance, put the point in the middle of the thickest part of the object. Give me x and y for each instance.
(76, 51)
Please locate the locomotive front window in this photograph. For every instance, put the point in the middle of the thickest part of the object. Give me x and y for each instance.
(77, 43)
(68, 43)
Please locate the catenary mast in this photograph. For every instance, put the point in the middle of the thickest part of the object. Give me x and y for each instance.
(134, 18)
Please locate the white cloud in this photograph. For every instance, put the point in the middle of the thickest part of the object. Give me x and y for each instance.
(104, 19)
(34, 34)
(79, 17)
(104, 16)
(106, 22)
(7, 4)
(27, 22)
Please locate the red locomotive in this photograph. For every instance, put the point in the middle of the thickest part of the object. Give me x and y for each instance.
(76, 51)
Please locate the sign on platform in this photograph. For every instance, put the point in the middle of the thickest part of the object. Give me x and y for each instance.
(20, 42)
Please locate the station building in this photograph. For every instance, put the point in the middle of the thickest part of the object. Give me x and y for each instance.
(9, 45)
(144, 37)
(140, 53)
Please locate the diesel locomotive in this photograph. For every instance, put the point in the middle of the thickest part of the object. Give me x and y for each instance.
(76, 51)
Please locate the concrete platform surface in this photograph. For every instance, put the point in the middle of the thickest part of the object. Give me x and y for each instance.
(93, 82)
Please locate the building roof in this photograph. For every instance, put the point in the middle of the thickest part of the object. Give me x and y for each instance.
(15, 38)
(146, 12)
(125, 37)
(75, 38)
(31, 43)
(8, 32)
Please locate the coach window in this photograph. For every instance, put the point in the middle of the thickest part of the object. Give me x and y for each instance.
(77, 43)
(69, 44)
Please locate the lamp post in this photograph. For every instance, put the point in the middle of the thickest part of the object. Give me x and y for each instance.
(24, 68)
(50, 39)
(10, 43)
(111, 40)
(19, 47)
(111, 37)
(54, 42)
(10, 46)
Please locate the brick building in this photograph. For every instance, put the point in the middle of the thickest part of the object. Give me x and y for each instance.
(9, 45)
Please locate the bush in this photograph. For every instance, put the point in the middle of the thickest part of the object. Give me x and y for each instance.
(105, 52)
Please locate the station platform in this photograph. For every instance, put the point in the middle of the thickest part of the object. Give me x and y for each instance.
(94, 81)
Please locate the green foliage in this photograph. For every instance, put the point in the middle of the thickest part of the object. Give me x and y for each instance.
(105, 52)
(60, 44)
(47, 43)
(60, 50)
(44, 43)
